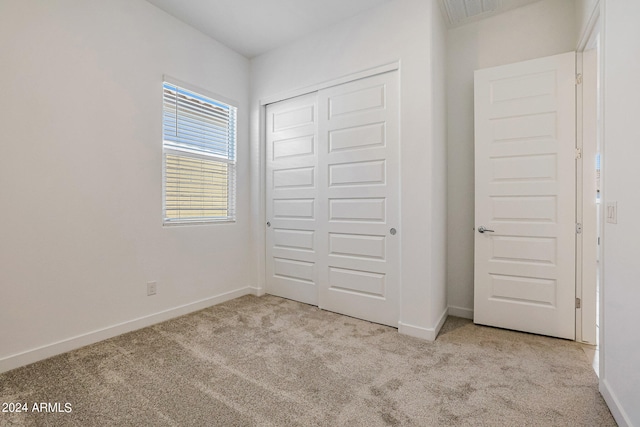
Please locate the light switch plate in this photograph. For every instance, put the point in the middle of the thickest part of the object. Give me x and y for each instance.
(611, 212)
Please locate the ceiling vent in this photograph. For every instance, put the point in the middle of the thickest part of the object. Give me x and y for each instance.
(459, 12)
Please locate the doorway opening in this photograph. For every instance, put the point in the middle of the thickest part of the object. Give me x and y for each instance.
(589, 210)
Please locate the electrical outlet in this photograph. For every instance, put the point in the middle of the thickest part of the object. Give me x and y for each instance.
(151, 288)
(611, 212)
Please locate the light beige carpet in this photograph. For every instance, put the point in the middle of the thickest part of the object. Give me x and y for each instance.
(274, 362)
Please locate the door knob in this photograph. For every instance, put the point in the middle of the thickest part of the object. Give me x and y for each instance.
(268, 224)
(392, 231)
(483, 229)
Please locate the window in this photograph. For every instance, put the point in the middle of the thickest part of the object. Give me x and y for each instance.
(199, 150)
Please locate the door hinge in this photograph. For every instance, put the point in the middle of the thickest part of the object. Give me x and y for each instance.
(578, 79)
(578, 228)
(578, 153)
(578, 303)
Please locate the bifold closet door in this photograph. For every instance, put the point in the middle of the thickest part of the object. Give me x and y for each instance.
(358, 251)
(332, 199)
(292, 199)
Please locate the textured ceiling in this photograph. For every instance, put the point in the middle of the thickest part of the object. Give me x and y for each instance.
(253, 27)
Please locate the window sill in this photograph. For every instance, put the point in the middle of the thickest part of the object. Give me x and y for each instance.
(200, 222)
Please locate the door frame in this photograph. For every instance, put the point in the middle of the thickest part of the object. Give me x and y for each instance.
(586, 106)
(591, 38)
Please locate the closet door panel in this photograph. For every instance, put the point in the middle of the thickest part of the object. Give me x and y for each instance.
(292, 199)
(332, 196)
(358, 223)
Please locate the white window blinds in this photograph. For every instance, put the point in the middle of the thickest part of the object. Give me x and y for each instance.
(199, 140)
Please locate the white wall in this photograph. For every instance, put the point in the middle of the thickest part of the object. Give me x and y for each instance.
(438, 177)
(620, 381)
(401, 30)
(540, 29)
(80, 174)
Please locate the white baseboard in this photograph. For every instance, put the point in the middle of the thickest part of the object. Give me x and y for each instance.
(257, 291)
(50, 350)
(613, 403)
(428, 334)
(465, 313)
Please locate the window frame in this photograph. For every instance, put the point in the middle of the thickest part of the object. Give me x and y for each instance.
(231, 171)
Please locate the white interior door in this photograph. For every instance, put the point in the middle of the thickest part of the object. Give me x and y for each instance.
(292, 199)
(358, 254)
(525, 163)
